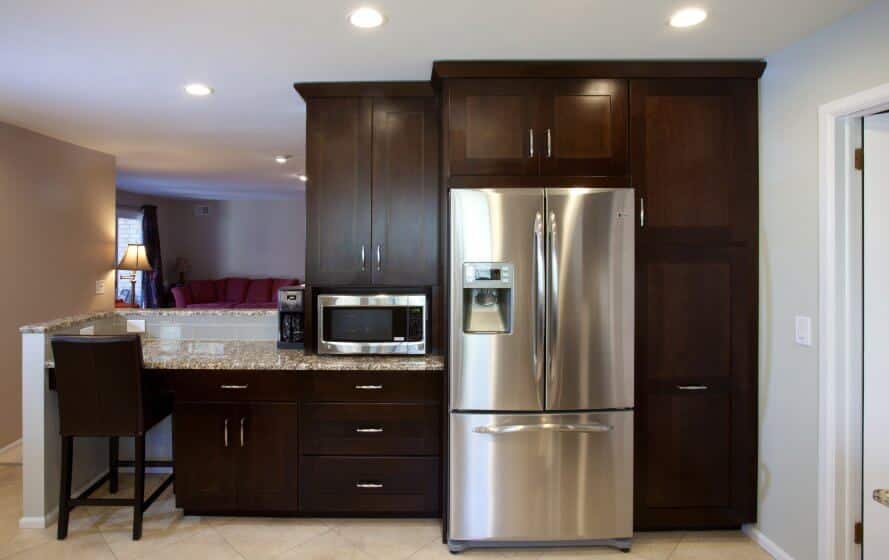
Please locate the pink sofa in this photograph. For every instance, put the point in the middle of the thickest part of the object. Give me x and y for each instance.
(231, 293)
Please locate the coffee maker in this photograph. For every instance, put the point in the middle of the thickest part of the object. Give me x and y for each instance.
(290, 317)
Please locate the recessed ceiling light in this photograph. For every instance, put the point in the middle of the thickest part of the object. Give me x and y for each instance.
(302, 178)
(199, 90)
(282, 159)
(688, 17)
(366, 18)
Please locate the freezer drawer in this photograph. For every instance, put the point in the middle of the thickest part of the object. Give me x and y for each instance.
(541, 477)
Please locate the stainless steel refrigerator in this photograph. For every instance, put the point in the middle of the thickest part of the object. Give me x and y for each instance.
(541, 367)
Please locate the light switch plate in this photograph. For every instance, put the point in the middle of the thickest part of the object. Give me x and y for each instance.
(803, 330)
(135, 325)
(100, 287)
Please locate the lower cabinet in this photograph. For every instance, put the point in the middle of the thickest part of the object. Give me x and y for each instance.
(356, 443)
(236, 457)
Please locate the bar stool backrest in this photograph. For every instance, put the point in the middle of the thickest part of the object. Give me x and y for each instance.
(99, 383)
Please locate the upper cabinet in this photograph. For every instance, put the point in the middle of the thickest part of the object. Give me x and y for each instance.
(372, 196)
(528, 127)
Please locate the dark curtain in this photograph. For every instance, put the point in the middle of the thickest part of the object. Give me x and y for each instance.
(152, 282)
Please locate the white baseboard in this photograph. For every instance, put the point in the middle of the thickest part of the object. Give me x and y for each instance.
(38, 522)
(765, 543)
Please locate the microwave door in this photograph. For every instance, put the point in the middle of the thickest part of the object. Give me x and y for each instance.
(496, 299)
(590, 255)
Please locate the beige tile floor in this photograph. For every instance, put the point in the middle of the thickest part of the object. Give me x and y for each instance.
(104, 533)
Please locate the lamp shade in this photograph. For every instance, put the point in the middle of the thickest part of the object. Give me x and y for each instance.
(135, 258)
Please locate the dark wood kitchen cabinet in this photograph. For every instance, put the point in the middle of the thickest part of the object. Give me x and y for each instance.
(526, 127)
(694, 160)
(372, 194)
(236, 457)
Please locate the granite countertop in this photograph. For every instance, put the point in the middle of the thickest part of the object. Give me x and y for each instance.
(882, 497)
(264, 355)
(74, 320)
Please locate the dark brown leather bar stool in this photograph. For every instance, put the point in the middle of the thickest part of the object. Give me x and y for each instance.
(102, 394)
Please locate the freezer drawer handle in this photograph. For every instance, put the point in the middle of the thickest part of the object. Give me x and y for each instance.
(518, 428)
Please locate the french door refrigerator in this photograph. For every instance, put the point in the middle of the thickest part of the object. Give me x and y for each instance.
(541, 367)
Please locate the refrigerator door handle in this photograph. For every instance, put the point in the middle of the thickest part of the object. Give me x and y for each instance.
(521, 428)
(538, 294)
(552, 308)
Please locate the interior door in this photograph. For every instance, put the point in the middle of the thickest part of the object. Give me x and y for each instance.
(590, 253)
(338, 192)
(548, 477)
(497, 371)
(492, 127)
(405, 192)
(585, 128)
(876, 332)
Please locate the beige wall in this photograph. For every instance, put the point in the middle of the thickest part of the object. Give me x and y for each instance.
(844, 58)
(56, 241)
(253, 238)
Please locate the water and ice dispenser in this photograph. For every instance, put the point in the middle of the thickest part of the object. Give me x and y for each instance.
(487, 297)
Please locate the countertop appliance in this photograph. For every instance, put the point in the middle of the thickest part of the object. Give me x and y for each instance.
(541, 367)
(371, 324)
(291, 330)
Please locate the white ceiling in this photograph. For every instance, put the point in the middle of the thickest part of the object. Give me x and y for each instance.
(108, 74)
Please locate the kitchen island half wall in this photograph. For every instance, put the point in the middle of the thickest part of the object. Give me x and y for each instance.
(225, 363)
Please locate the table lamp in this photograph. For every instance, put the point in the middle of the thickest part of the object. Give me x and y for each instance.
(135, 260)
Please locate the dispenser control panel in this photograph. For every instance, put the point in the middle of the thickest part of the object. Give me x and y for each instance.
(487, 275)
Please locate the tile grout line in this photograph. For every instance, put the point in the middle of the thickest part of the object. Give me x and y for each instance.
(226, 541)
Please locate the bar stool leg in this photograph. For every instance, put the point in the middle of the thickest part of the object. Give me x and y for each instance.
(65, 485)
(112, 464)
(140, 487)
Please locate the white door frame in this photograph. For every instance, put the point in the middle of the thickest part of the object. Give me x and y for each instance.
(840, 293)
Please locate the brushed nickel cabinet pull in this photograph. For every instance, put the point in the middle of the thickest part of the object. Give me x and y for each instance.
(225, 433)
(549, 143)
(692, 387)
(379, 257)
(242, 431)
(530, 143)
(368, 485)
(363, 260)
(368, 387)
(369, 430)
(641, 212)
(233, 387)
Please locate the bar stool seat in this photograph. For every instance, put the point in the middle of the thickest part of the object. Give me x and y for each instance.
(102, 393)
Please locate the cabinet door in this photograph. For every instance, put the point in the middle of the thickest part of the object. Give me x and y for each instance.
(269, 455)
(206, 456)
(584, 130)
(338, 163)
(405, 192)
(694, 161)
(491, 127)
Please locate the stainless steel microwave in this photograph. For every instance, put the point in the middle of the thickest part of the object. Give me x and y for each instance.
(371, 324)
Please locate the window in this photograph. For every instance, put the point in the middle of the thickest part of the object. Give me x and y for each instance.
(129, 230)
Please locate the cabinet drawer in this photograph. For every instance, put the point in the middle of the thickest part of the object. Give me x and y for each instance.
(375, 386)
(236, 386)
(369, 485)
(370, 429)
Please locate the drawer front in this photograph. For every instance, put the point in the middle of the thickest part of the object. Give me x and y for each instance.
(236, 386)
(375, 386)
(370, 485)
(370, 429)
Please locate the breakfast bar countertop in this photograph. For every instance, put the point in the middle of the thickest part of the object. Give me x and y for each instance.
(264, 355)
